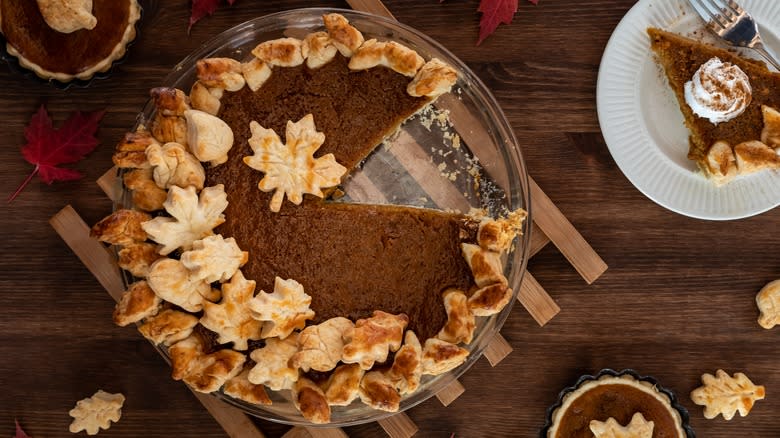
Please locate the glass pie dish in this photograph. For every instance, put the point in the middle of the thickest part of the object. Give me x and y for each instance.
(458, 154)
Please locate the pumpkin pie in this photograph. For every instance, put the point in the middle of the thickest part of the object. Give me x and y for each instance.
(728, 103)
(616, 404)
(332, 301)
(65, 40)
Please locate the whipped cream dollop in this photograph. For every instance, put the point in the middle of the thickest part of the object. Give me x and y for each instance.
(718, 91)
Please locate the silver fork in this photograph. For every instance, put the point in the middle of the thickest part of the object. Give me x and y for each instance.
(729, 21)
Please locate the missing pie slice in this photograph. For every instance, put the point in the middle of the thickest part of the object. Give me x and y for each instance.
(728, 104)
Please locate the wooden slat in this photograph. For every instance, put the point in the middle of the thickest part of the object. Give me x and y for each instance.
(398, 426)
(101, 264)
(314, 432)
(563, 234)
(372, 7)
(536, 300)
(110, 184)
(450, 393)
(538, 240)
(497, 350)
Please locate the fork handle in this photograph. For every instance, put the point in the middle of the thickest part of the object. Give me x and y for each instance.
(763, 52)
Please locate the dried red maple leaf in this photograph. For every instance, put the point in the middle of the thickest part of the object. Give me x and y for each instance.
(19, 431)
(495, 12)
(201, 8)
(47, 147)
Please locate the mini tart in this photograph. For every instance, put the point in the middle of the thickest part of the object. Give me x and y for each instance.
(330, 300)
(615, 395)
(65, 57)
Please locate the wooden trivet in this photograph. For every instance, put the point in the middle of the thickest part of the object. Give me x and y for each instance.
(549, 225)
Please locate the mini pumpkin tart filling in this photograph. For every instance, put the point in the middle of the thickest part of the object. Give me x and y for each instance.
(616, 405)
(730, 105)
(252, 276)
(68, 39)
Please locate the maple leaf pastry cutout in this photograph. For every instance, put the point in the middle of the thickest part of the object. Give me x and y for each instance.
(231, 319)
(726, 395)
(291, 168)
(273, 367)
(282, 311)
(638, 427)
(193, 217)
(214, 258)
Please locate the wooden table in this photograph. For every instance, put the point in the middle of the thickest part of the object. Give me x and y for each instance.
(677, 301)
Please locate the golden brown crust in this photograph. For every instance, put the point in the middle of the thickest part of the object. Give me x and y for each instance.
(343, 384)
(241, 388)
(378, 391)
(346, 37)
(460, 321)
(490, 300)
(282, 52)
(320, 346)
(770, 135)
(372, 338)
(136, 258)
(203, 372)
(438, 356)
(407, 365)
(433, 79)
(753, 156)
(222, 73)
(206, 99)
(390, 54)
(486, 266)
(168, 327)
(122, 227)
(170, 101)
(318, 49)
(138, 302)
(147, 195)
(311, 401)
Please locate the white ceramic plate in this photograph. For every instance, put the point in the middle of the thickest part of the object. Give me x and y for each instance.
(643, 125)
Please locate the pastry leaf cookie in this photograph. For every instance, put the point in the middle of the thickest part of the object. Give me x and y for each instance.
(726, 395)
(637, 428)
(96, 412)
(768, 302)
(291, 168)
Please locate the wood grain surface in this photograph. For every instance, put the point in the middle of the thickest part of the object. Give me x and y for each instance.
(677, 300)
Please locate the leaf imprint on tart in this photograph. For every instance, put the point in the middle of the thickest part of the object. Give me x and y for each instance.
(291, 168)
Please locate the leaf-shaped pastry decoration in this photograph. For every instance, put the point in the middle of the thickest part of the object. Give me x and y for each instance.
(291, 168)
(96, 412)
(726, 395)
(768, 302)
(284, 310)
(193, 217)
(231, 319)
(639, 427)
(214, 258)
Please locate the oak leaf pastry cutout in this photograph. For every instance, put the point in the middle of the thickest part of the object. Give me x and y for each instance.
(379, 392)
(122, 227)
(168, 327)
(343, 385)
(130, 152)
(193, 217)
(224, 73)
(753, 156)
(231, 319)
(206, 99)
(174, 166)
(138, 302)
(214, 258)
(345, 37)
(726, 395)
(172, 281)
(489, 300)
(721, 163)
(320, 346)
(241, 388)
(310, 400)
(67, 16)
(638, 427)
(770, 135)
(97, 412)
(284, 310)
(209, 138)
(486, 266)
(272, 363)
(389, 54)
(373, 338)
(147, 195)
(460, 321)
(768, 302)
(200, 371)
(255, 72)
(439, 356)
(282, 52)
(433, 79)
(318, 49)
(406, 371)
(291, 168)
(137, 258)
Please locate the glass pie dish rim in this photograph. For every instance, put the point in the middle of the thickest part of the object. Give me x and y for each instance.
(518, 190)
